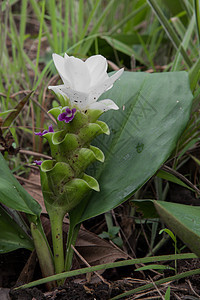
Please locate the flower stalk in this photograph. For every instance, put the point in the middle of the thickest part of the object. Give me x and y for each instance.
(56, 219)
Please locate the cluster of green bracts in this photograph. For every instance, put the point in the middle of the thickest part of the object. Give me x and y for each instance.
(64, 182)
(63, 178)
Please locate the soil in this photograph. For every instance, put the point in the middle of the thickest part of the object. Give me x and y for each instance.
(116, 282)
(72, 291)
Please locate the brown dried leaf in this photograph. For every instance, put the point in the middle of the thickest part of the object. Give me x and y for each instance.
(96, 250)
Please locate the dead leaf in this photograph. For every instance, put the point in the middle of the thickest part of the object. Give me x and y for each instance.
(27, 273)
(96, 250)
(4, 294)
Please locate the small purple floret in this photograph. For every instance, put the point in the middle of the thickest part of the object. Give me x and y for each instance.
(38, 133)
(38, 162)
(45, 131)
(51, 128)
(62, 117)
(67, 116)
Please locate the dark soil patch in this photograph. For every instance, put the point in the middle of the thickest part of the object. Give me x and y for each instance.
(11, 264)
(73, 291)
(188, 288)
(184, 289)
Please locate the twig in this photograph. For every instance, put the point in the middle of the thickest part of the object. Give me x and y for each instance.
(28, 152)
(27, 181)
(156, 288)
(183, 178)
(188, 281)
(88, 265)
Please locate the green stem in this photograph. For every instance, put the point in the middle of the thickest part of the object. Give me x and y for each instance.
(72, 236)
(109, 221)
(56, 220)
(160, 244)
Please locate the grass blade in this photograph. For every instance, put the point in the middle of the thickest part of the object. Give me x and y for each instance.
(109, 266)
(89, 19)
(127, 18)
(39, 40)
(36, 9)
(122, 47)
(52, 13)
(66, 27)
(169, 31)
(96, 27)
(197, 15)
(157, 283)
(23, 21)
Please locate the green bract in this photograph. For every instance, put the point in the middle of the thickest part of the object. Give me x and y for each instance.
(64, 182)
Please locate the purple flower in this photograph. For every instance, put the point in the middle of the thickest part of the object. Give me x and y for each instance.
(67, 116)
(38, 162)
(45, 131)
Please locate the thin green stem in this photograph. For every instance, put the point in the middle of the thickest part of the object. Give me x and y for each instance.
(160, 244)
(109, 221)
(72, 237)
(197, 15)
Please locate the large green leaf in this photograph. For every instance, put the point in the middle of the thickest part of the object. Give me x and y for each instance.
(183, 220)
(13, 195)
(12, 236)
(154, 110)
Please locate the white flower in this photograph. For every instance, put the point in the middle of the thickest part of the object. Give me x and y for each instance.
(85, 82)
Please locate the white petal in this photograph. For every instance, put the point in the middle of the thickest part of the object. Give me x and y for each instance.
(57, 89)
(76, 98)
(104, 105)
(78, 73)
(98, 90)
(84, 82)
(66, 56)
(60, 64)
(97, 65)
